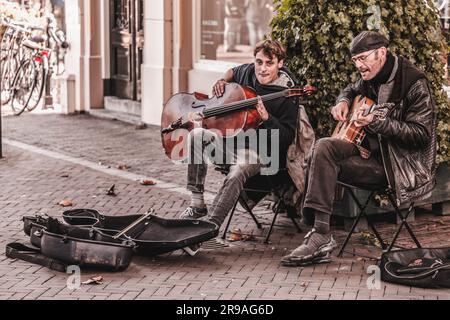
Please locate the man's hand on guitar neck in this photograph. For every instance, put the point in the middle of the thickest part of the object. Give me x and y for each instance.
(340, 111)
(360, 120)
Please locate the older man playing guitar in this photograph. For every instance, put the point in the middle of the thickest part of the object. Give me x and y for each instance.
(395, 148)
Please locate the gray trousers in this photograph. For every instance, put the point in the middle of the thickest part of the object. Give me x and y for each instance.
(245, 164)
(335, 160)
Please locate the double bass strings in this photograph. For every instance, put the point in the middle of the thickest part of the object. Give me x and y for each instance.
(240, 105)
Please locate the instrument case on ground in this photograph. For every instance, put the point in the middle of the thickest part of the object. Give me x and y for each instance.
(89, 239)
(425, 268)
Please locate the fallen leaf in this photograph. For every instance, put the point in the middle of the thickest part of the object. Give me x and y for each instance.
(123, 167)
(381, 201)
(303, 284)
(66, 203)
(65, 176)
(94, 281)
(237, 235)
(111, 191)
(368, 238)
(344, 268)
(148, 183)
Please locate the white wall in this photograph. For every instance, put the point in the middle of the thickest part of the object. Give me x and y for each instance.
(156, 69)
(72, 58)
(84, 59)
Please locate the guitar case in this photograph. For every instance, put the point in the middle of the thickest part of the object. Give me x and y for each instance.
(87, 238)
(423, 268)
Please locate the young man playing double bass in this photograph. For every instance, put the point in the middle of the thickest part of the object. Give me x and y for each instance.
(403, 144)
(266, 75)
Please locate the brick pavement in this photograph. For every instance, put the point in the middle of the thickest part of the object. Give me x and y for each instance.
(34, 183)
(103, 141)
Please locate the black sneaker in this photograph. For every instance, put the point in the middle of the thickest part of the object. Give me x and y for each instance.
(314, 248)
(192, 213)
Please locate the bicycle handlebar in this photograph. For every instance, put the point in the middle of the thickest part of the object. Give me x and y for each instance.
(20, 25)
(59, 37)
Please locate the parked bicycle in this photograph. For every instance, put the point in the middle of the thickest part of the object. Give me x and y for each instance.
(27, 70)
(12, 53)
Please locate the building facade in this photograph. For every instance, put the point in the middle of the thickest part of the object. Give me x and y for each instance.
(141, 52)
(138, 53)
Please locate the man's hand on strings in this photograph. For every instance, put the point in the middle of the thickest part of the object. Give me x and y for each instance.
(262, 110)
(340, 111)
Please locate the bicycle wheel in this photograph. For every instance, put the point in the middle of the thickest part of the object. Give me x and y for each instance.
(38, 90)
(7, 60)
(23, 86)
(9, 69)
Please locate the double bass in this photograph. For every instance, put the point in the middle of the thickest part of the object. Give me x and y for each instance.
(232, 113)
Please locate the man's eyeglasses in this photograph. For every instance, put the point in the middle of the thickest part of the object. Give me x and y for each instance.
(362, 59)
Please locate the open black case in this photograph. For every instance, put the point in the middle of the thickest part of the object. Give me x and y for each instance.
(87, 238)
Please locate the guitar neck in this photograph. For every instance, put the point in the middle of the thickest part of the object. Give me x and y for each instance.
(370, 110)
(376, 107)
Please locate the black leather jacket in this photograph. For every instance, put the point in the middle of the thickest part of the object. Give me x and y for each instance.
(407, 136)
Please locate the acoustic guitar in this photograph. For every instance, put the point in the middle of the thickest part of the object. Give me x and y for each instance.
(349, 132)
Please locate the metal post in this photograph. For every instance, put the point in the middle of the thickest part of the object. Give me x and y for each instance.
(1, 90)
(1, 143)
(48, 100)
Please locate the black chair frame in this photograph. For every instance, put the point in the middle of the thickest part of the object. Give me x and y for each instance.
(280, 196)
(362, 213)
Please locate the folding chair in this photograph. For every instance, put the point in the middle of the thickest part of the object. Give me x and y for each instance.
(277, 208)
(362, 213)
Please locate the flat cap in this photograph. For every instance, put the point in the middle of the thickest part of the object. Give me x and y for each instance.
(368, 40)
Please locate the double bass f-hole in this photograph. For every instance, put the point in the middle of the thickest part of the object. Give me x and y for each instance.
(196, 106)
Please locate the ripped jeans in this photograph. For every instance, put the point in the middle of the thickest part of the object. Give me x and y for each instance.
(244, 164)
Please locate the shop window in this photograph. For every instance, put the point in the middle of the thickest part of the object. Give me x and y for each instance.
(230, 29)
(444, 10)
